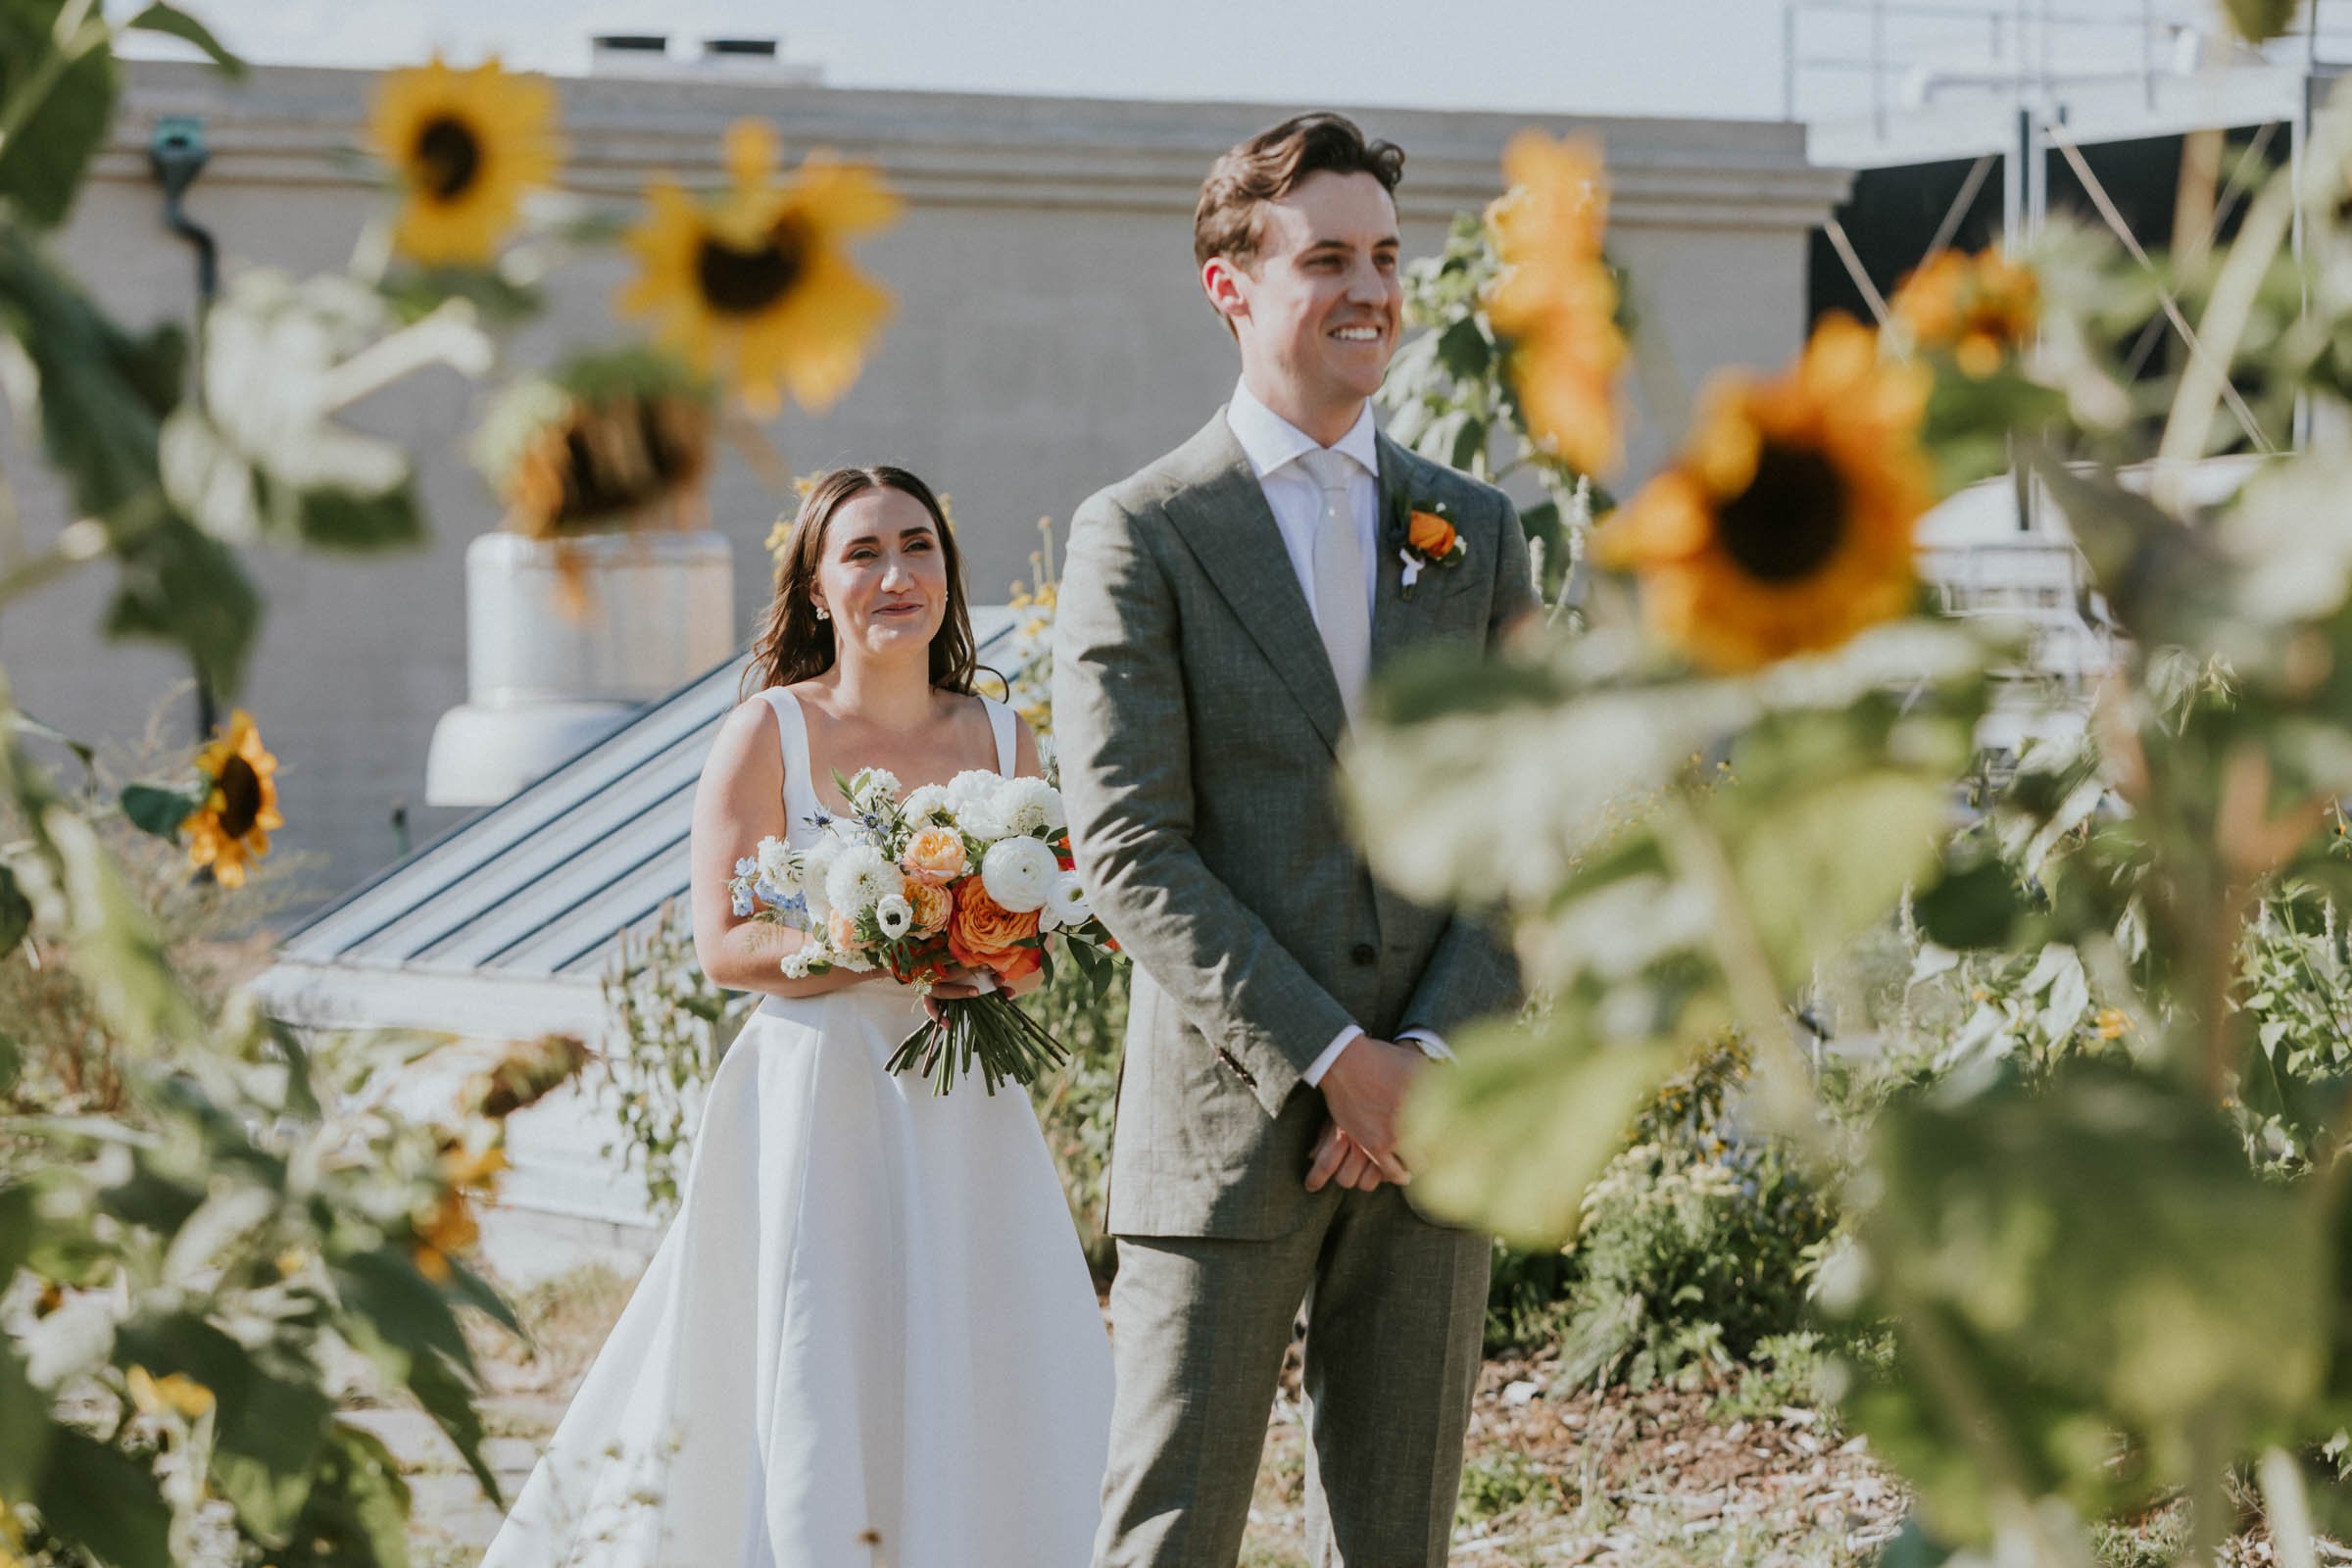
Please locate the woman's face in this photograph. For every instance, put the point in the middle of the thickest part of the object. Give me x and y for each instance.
(883, 575)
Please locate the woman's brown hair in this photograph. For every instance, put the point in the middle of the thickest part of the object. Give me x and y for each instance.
(793, 645)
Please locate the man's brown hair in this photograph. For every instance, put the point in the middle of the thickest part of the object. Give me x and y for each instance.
(1271, 165)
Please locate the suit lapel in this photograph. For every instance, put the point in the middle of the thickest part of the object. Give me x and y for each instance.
(1396, 621)
(1223, 517)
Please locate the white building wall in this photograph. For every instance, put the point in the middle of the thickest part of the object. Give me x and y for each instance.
(1050, 338)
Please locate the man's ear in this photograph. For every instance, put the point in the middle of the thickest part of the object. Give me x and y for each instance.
(1222, 282)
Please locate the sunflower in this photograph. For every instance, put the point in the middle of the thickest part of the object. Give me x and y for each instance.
(231, 828)
(466, 145)
(1785, 525)
(755, 285)
(1555, 299)
(448, 1229)
(605, 441)
(1980, 308)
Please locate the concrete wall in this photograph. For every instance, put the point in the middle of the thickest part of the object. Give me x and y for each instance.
(1050, 338)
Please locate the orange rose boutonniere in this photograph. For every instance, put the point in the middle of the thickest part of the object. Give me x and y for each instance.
(1428, 538)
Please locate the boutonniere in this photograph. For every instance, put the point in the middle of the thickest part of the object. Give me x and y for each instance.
(1425, 536)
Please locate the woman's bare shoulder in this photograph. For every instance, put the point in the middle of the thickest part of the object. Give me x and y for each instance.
(748, 732)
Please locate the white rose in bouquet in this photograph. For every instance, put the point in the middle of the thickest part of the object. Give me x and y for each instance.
(1019, 873)
(874, 789)
(816, 871)
(927, 801)
(779, 866)
(972, 797)
(1066, 902)
(861, 878)
(1026, 805)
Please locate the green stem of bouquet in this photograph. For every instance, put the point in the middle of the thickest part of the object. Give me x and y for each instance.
(992, 1031)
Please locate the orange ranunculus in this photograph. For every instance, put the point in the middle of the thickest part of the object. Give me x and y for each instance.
(1430, 535)
(936, 855)
(931, 904)
(983, 934)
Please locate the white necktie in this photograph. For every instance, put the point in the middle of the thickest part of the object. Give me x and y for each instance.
(1341, 613)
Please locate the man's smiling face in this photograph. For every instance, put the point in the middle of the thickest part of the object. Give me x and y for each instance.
(1318, 308)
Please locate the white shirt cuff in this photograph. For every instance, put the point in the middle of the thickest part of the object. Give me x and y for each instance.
(1431, 1047)
(1331, 1053)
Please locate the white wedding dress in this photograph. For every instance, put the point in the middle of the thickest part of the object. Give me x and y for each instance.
(868, 1338)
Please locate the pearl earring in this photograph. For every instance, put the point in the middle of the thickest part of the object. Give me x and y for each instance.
(822, 614)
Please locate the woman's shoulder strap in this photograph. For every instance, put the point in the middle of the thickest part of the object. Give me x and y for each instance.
(792, 733)
(1000, 722)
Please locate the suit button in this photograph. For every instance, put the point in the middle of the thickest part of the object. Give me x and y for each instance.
(1366, 954)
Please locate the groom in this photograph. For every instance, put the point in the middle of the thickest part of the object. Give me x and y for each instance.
(1219, 616)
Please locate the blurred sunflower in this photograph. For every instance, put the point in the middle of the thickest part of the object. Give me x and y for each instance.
(464, 145)
(448, 1229)
(232, 827)
(756, 286)
(1555, 299)
(1980, 308)
(1786, 525)
(608, 439)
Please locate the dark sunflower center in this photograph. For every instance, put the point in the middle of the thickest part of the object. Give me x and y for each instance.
(1789, 518)
(745, 282)
(240, 796)
(451, 155)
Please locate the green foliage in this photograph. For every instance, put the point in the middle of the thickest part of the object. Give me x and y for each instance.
(1803, 1370)
(667, 1027)
(1450, 399)
(211, 1235)
(1504, 1483)
(2132, 974)
(1617, 860)
(2296, 983)
(1695, 1241)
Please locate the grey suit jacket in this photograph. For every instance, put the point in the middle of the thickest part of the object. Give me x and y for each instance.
(1197, 717)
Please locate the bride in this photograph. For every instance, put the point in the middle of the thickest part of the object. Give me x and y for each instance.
(868, 1337)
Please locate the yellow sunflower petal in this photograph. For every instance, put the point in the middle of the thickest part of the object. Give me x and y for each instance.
(846, 199)
(755, 289)
(751, 151)
(465, 147)
(1786, 525)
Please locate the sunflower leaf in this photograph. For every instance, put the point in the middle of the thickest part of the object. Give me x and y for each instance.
(335, 519)
(102, 1500)
(102, 391)
(2104, 1255)
(42, 163)
(178, 586)
(178, 23)
(1512, 1132)
(153, 808)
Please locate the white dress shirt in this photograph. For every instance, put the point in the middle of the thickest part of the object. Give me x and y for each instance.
(1273, 446)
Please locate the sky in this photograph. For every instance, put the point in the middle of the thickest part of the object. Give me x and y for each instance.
(1719, 58)
(1725, 59)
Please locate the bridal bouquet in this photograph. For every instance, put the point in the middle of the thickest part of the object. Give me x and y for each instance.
(976, 873)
